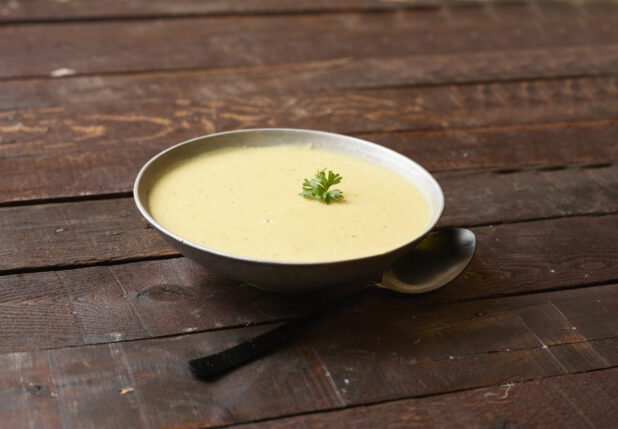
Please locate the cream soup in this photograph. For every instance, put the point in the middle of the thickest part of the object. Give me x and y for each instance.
(246, 202)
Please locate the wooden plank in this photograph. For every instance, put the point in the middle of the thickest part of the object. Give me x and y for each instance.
(51, 10)
(154, 298)
(148, 383)
(519, 195)
(77, 233)
(98, 148)
(212, 84)
(190, 43)
(562, 401)
(507, 147)
(86, 232)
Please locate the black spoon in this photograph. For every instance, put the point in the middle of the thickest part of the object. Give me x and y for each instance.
(435, 261)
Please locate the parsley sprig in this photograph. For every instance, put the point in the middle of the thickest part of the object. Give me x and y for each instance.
(318, 186)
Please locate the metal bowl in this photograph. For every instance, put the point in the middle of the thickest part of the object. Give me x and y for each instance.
(288, 276)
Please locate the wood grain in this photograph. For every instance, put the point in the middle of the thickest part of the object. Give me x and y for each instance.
(561, 401)
(383, 355)
(154, 298)
(190, 43)
(98, 148)
(86, 232)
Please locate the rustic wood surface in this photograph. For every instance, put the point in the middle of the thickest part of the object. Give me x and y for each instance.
(512, 105)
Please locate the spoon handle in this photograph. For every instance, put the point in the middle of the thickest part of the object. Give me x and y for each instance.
(218, 363)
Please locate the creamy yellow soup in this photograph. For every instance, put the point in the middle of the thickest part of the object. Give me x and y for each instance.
(246, 202)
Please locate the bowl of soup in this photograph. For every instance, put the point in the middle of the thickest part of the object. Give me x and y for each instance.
(232, 202)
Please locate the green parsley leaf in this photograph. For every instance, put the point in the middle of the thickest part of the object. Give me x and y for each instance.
(318, 186)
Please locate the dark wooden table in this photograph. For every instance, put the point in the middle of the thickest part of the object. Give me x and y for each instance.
(514, 108)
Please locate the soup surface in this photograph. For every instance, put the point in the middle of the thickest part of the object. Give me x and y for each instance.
(246, 202)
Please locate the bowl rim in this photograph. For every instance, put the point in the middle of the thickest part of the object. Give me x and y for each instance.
(198, 247)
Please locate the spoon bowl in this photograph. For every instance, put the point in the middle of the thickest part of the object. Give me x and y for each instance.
(435, 261)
